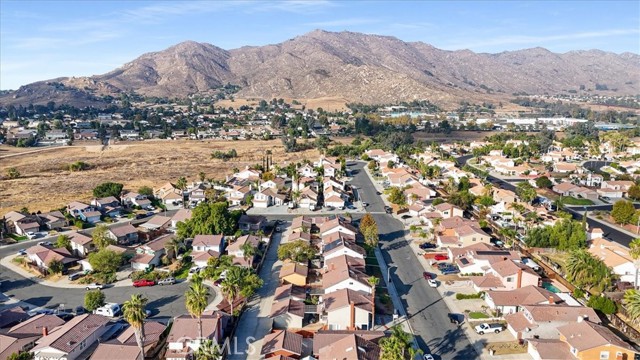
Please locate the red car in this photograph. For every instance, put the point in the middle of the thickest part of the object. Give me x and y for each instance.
(143, 282)
(440, 257)
(428, 276)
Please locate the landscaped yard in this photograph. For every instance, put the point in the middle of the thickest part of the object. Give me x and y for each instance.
(18, 237)
(478, 315)
(507, 348)
(569, 200)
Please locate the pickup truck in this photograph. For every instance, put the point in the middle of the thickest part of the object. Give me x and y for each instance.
(530, 263)
(486, 327)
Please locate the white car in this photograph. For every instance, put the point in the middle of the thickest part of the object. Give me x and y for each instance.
(31, 235)
(95, 286)
(428, 357)
(45, 243)
(432, 283)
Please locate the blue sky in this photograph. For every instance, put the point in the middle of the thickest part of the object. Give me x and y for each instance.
(41, 40)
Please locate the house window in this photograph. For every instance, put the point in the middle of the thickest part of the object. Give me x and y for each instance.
(604, 355)
(509, 279)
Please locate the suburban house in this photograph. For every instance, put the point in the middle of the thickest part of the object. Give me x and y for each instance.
(169, 194)
(287, 314)
(70, 340)
(181, 215)
(447, 210)
(235, 249)
(150, 253)
(251, 222)
(81, 244)
(288, 291)
(43, 256)
(337, 244)
(460, 232)
(308, 198)
(282, 344)
(590, 340)
(208, 242)
(621, 186)
(248, 174)
(337, 224)
(504, 196)
(126, 347)
(511, 301)
(157, 222)
(131, 199)
(109, 206)
(12, 316)
(344, 272)
(124, 234)
(349, 346)
(477, 258)
(564, 167)
(294, 273)
(506, 275)
(268, 197)
(347, 309)
(616, 257)
(183, 336)
(83, 211)
(53, 220)
(23, 336)
(542, 320)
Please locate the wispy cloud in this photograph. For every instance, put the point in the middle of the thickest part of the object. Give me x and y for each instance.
(160, 11)
(342, 22)
(537, 40)
(295, 6)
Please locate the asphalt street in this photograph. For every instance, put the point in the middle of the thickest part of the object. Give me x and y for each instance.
(425, 308)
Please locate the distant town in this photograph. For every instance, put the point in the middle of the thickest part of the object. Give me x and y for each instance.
(415, 233)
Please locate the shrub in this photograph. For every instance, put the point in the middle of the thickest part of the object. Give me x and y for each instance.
(469, 296)
(93, 299)
(578, 293)
(603, 304)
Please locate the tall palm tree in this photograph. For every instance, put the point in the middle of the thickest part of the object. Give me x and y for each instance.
(632, 304)
(634, 252)
(197, 299)
(173, 245)
(208, 351)
(373, 282)
(249, 251)
(231, 285)
(133, 311)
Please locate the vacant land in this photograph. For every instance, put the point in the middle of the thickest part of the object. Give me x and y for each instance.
(46, 182)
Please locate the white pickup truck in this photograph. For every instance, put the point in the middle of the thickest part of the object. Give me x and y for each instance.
(530, 263)
(485, 328)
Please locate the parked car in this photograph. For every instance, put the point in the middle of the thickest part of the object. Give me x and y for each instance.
(428, 356)
(441, 257)
(22, 252)
(428, 275)
(432, 283)
(79, 310)
(194, 270)
(108, 310)
(141, 216)
(450, 270)
(441, 266)
(31, 235)
(75, 276)
(456, 318)
(150, 213)
(428, 245)
(45, 243)
(95, 286)
(388, 209)
(489, 327)
(143, 282)
(65, 315)
(167, 281)
(364, 204)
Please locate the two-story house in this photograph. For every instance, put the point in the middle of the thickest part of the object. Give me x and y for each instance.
(150, 253)
(124, 234)
(109, 206)
(345, 272)
(184, 339)
(131, 199)
(70, 340)
(206, 247)
(83, 212)
(347, 309)
(506, 275)
(235, 249)
(22, 337)
(81, 244)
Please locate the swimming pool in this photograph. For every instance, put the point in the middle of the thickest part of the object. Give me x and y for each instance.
(549, 286)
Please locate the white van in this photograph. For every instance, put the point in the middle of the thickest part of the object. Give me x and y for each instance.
(108, 310)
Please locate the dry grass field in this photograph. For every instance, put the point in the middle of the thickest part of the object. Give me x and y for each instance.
(326, 103)
(46, 183)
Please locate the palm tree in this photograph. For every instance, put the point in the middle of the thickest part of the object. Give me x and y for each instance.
(634, 252)
(208, 351)
(174, 245)
(632, 304)
(181, 184)
(394, 346)
(197, 299)
(373, 281)
(134, 313)
(232, 283)
(249, 251)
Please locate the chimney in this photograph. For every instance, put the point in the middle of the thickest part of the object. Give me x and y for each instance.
(519, 278)
(551, 301)
(45, 331)
(352, 323)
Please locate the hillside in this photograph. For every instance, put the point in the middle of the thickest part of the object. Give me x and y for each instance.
(356, 67)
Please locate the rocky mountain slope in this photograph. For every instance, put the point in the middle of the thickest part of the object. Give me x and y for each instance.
(354, 66)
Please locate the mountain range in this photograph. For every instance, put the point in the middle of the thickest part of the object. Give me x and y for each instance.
(351, 66)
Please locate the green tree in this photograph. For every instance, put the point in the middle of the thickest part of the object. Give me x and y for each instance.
(100, 238)
(93, 299)
(202, 175)
(63, 241)
(372, 165)
(634, 192)
(462, 199)
(396, 195)
(369, 229)
(217, 265)
(397, 346)
(603, 304)
(298, 251)
(525, 191)
(146, 191)
(249, 251)
(55, 266)
(173, 246)
(108, 189)
(181, 183)
(631, 303)
(586, 271)
(239, 280)
(623, 212)
(23, 355)
(208, 351)
(209, 218)
(105, 261)
(133, 312)
(543, 182)
(196, 300)
(13, 173)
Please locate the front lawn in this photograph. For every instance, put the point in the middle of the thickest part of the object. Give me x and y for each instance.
(18, 237)
(569, 200)
(477, 315)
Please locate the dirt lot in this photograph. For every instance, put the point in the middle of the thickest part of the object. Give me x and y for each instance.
(46, 183)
